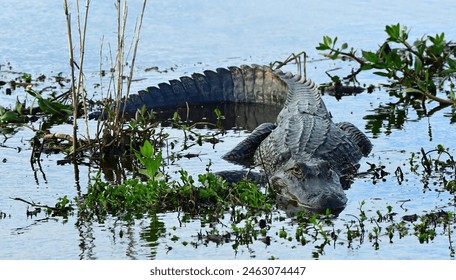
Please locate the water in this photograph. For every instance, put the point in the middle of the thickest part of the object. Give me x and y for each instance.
(190, 36)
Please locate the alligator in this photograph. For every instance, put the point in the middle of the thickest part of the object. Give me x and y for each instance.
(304, 155)
(307, 157)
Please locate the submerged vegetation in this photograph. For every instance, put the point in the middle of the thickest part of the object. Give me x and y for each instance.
(238, 214)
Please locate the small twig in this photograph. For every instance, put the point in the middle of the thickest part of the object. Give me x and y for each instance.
(33, 203)
(293, 57)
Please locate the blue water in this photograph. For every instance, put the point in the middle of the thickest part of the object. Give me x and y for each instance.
(190, 36)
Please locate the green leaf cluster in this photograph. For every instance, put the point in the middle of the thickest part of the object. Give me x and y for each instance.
(149, 159)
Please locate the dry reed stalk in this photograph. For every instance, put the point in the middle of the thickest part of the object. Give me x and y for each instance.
(117, 79)
(73, 79)
(82, 39)
(77, 88)
(121, 24)
(120, 61)
(135, 49)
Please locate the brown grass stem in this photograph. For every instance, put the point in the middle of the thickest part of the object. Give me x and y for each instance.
(73, 79)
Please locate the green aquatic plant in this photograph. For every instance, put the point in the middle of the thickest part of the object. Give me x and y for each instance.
(436, 167)
(208, 194)
(426, 229)
(51, 107)
(149, 159)
(63, 207)
(12, 116)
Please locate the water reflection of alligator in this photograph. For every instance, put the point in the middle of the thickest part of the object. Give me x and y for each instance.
(304, 155)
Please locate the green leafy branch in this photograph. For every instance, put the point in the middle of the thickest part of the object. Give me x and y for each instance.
(423, 67)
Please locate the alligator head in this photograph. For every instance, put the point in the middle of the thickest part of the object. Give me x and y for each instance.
(310, 185)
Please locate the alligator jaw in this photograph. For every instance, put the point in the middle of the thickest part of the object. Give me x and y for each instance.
(335, 204)
(291, 206)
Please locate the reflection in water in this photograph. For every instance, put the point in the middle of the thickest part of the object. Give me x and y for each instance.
(235, 115)
(114, 169)
(131, 251)
(292, 207)
(152, 233)
(86, 238)
(394, 116)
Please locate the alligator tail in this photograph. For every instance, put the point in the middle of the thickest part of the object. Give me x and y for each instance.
(244, 84)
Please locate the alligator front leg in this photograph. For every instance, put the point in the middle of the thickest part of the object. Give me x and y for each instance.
(243, 152)
(233, 176)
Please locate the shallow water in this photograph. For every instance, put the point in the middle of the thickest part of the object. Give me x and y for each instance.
(183, 37)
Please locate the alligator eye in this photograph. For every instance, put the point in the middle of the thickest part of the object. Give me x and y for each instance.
(297, 170)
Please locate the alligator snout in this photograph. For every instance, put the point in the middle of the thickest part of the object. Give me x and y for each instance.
(312, 186)
(335, 202)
